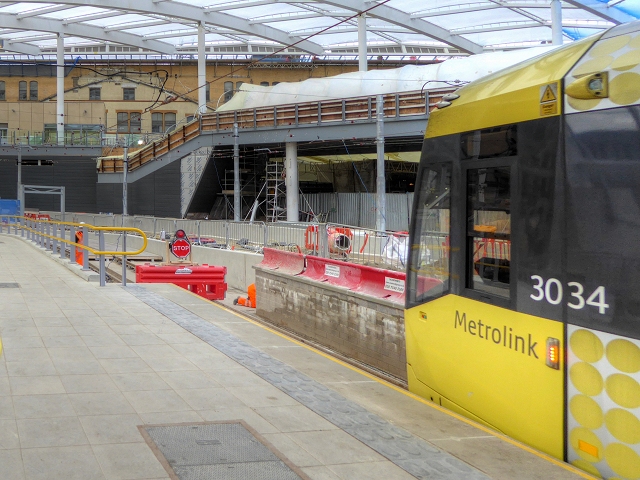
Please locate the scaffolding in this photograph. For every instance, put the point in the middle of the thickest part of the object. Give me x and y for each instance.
(276, 192)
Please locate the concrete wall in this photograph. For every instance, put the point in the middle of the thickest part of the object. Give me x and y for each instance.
(240, 272)
(364, 328)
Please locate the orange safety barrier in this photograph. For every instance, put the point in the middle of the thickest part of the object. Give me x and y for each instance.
(208, 281)
(340, 239)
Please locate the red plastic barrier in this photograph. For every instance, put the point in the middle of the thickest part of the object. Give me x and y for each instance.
(283, 261)
(38, 216)
(377, 282)
(204, 280)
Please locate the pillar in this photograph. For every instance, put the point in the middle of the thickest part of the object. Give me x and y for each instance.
(202, 70)
(362, 42)
(556, 22)
(381, 189)
(60, 89)
(291, 181)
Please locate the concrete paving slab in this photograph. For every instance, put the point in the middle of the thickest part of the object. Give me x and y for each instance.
(89, 377)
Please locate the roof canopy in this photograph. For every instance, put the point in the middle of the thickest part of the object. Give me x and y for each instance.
(304, 28)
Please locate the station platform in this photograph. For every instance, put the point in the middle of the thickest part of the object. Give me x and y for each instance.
(153, 382)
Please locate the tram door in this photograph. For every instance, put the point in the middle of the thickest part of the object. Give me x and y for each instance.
(488, 232)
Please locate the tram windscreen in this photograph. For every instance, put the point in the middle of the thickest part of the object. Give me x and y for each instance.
(428, 274)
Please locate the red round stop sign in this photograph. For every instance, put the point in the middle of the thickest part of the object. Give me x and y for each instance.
(181, 248)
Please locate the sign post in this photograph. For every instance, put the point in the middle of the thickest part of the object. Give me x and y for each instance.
(180, 246)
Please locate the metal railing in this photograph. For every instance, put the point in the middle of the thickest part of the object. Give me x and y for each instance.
(366, 246)
(54, 235)
(325, 112)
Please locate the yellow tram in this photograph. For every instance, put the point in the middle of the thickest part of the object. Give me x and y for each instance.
(527, 208)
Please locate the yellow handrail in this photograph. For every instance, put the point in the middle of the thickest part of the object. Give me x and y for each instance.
(90, 227)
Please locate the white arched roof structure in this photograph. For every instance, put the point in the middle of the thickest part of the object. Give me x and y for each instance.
(304, 28)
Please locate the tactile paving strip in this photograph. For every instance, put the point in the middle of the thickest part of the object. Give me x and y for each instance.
(412, 454)
(225, 451)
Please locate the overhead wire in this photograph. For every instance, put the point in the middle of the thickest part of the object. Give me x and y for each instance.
(244, 67)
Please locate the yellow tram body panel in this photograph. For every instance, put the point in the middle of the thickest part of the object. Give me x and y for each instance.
(489, 364)
(526, 91)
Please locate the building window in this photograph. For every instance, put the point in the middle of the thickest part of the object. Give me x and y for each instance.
(275, 83)
(208, 92)
(264, 84)
(94, 93)
(4, 132)
(2, 91)
(22, 90)
(33, 91)
(128, 93)
(238, 85)
(228, 91)
(162, 122)
(129, 122)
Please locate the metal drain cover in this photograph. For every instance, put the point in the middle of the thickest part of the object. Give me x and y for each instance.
(9, 285)
(221, 450)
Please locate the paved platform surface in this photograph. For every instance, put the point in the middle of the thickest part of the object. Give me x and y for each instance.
(83, 367)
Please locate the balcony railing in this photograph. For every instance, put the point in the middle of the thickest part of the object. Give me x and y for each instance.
(326, 112)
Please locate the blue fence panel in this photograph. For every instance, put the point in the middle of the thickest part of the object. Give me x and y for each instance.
(9, 207)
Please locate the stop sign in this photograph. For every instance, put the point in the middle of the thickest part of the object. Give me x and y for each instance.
(181, 247)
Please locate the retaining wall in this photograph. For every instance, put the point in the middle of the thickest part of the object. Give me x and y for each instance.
(358, 326)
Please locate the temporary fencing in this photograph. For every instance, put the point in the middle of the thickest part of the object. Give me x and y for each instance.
(365, 246)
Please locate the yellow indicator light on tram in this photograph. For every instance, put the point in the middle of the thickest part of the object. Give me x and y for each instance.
(553, 353)
(588, 448)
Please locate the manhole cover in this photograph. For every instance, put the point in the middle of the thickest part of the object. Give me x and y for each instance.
(9, 285)
(222, 450)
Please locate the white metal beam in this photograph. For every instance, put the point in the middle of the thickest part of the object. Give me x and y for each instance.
(496, 27)
(41, 11)
(173, 9)
(131, 25)
(403, 19)
(287, 17)
(23, 48)
(84, 31)
(95, 16)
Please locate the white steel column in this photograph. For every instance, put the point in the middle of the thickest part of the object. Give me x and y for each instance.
(556, 22)
(291, 181)
(202, 70)
(381, 190)
(60, 89)
(362, 42)
(237, 201)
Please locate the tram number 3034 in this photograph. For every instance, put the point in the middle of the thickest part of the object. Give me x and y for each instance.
(552, 291)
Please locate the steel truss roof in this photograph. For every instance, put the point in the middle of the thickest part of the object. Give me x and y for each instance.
(304, 28)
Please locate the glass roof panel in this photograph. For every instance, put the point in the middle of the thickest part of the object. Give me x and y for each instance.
(170, 23)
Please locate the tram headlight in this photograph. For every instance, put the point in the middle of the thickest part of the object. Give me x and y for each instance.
(553, 353)
(588, 87)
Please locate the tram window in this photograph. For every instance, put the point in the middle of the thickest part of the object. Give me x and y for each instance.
(429, 257)
(489, 229)
(490, 143)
